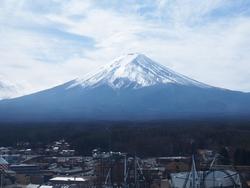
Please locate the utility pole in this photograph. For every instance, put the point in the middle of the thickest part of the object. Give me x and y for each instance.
(135, 172)
(125, 171)
(1, 180)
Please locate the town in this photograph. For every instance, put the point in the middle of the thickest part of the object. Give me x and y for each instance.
(58, 165)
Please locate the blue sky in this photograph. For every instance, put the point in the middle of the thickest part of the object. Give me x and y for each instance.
(48, 42)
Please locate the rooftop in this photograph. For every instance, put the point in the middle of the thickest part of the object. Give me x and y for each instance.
(67, 179)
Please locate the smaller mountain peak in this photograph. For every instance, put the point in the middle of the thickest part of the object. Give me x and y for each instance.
(9, 89)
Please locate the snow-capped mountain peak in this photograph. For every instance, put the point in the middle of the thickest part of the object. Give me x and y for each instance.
(135, 71)
(133, 88)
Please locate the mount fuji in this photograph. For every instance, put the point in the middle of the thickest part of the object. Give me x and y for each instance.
(134, 71)
(132, 87)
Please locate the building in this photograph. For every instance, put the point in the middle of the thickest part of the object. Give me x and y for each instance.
(81, 182)
(212, 178)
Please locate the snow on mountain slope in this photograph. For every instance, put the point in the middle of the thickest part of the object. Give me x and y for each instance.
(134, 71)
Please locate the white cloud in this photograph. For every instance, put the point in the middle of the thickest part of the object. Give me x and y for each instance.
(66, 39)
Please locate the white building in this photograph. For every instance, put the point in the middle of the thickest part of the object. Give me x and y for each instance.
(205, 179)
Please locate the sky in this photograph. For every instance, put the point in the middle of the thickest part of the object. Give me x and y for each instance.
(49, 42)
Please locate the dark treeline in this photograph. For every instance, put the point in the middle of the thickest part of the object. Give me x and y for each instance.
(144, 138)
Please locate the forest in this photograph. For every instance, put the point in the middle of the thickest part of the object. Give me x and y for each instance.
(155, 138)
